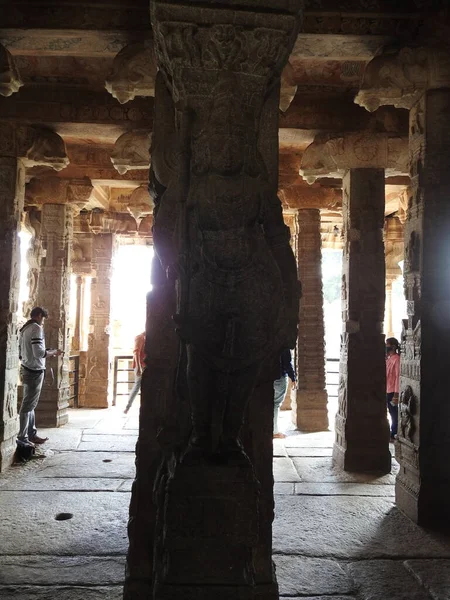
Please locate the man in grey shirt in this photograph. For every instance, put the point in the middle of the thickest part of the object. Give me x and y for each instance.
(32, 353)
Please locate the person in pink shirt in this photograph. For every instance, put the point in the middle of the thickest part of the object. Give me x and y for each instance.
(392, 382)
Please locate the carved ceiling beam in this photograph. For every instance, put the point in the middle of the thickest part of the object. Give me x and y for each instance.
(133, 73)
(296, 197)
(10, 81)
(400, 77)
(132, 151)
(58, 104)
(54, 190)
(114, 222)
(332, 156)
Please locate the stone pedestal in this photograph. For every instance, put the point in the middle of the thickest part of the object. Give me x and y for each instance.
(362, 434)
(98, 359)
(12, 185)
(423, 449)
(309, 408)
(54, 295)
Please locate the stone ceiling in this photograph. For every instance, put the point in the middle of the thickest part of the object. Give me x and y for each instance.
(64, 52)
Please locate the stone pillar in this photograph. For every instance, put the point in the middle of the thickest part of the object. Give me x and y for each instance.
(98, 358)
(309, 410)
(54, 295)
(423, 448)
(388, 308)
(362, 434)
(207, 528)
(75, 342)
(19, 147)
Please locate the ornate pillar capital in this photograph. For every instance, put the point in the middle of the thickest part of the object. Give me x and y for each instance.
(132, 151)
(10, 81)
(55, 190)
(133, 72)
(304, 197)
(400, 77)
(333, 155)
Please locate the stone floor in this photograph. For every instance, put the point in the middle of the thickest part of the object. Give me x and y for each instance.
(63, 522)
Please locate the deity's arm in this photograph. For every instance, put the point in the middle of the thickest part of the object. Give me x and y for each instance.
(277, 235)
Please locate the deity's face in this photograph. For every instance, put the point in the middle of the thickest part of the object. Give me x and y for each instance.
(227, 153)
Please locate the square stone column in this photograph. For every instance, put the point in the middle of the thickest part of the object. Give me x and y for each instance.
(423, 447)
(54, 295)
(98, 358)
(12, 185)
(362, 433)
(309, 408)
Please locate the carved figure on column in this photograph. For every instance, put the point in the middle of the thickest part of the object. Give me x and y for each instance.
(234, 307)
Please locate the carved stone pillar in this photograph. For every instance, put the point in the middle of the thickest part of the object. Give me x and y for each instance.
(419, 79)
(75, 342)
(213, 175)
(362, 434)
(98, 358)
(309, 409)
(19, 147)
(54, 295)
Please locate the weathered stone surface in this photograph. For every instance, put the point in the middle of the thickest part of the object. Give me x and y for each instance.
(313, 469)
(62, 593)
(305, 576)
(104, 515)
(350, 528)
(310, 440)
(65, 484)
(57, 570)
(283, 470)
(386, 579)
(89, 464)
(283, 488)
(316, 452)
(108, 443)
(434, 576)
(343, 489)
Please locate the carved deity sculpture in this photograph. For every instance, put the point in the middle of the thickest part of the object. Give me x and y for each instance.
(236, 275)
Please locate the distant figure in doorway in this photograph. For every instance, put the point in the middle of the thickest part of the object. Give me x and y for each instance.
(280, 388)
(32, 354)
(138, 366)
(392, 382)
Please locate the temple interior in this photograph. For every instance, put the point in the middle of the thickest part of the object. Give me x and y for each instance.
(176, 167)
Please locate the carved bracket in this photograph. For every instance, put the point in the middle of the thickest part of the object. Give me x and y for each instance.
(140, 204)
(400, 77)
(132, 151)
(10, 81)
(134, 72)
(55, 190)
(332, 156)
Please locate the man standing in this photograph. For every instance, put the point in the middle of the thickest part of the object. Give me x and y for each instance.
(138, 366)
(32, 353)
(280, 387)
(393, 382)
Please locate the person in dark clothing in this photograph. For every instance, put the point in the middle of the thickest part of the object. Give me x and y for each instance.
(280, 387)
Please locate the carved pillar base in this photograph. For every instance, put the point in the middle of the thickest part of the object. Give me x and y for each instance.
(309, 406)
(54, 295)
(423, 447)
(362, 433)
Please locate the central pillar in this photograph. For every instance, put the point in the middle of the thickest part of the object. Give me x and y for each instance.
(362, 433)
(309, 410)
(98, 357)
(54, 295)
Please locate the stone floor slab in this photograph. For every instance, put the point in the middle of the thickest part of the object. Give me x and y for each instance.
(107, 443)
(62, 570)
(315, 470)
(323, 439)
(350, 528)
(115, 465)
(61, 484)
(306, 576)
(283, 488)
(309, 451)
(61, 439)
(98, 526)
(344, 489)
(386, 579)
(61, 593)
(284, 471)
(433, 575)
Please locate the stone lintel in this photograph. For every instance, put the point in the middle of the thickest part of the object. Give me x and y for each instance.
(310, 197)
(333, 155)
(55, 190)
